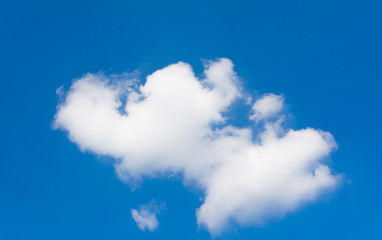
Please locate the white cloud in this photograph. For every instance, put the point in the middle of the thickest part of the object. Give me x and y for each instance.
(174, 123)
(145, 216)
(267, 106)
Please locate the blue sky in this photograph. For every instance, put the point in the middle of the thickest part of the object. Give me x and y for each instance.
(324, 57)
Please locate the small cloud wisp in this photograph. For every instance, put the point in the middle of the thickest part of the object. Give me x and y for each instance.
(146, 215)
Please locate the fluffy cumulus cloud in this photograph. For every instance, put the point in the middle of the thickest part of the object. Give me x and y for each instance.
(176, 123)
(267, 106)
(146, 215)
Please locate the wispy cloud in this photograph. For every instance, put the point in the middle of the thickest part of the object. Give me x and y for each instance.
(175, 122)
(267, 106)
(146, 215)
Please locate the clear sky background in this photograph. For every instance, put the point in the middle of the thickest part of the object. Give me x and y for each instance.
(324, 56)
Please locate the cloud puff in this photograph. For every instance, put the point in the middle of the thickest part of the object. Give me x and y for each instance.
(175, 123)
(267, 106)
(145, 216)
